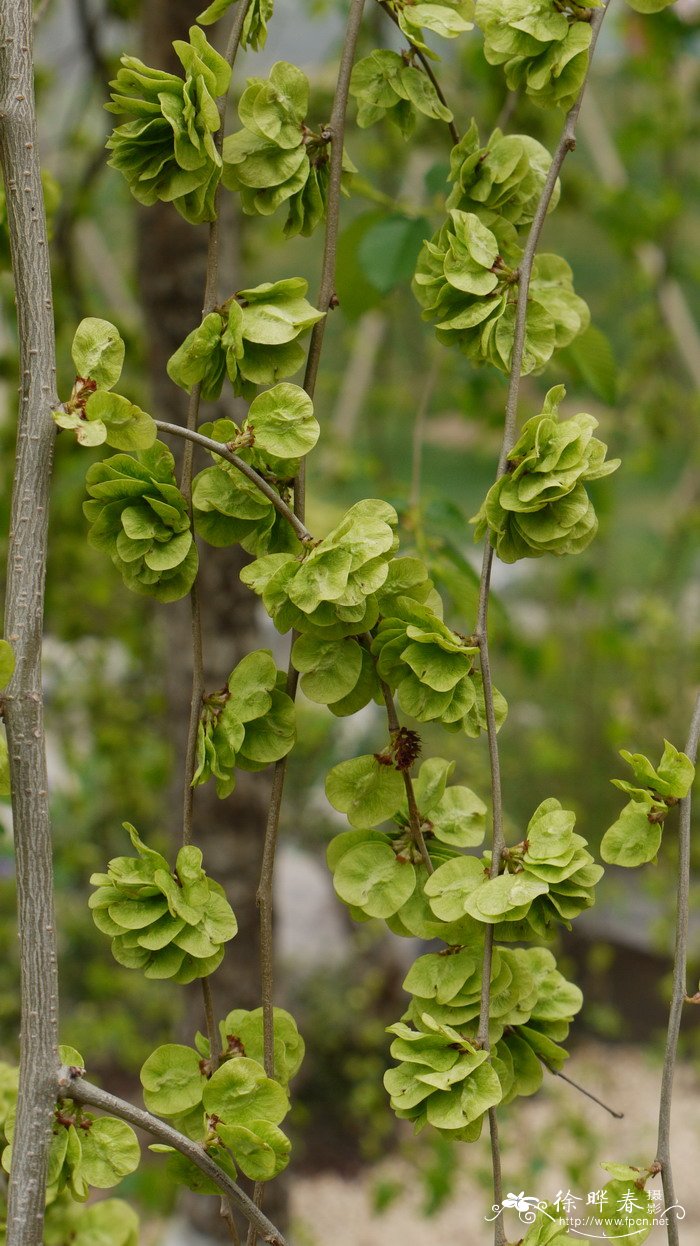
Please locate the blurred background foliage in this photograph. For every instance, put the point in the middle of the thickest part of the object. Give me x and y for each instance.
(593, 654)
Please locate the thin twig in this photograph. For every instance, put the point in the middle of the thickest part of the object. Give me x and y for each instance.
(24, 616)
(325, 297)
(414, 821)
(509, 106)
(226, 1213)
(220, 448)
(258, 1196)
(196, 698)
(429, 71)
(210, 1019)
(80, 1091)
(419, 437)
(325, 301)
(496, 1171)
(582, 1090)
(566, 143)
(678, 996)
(326, 293)
(210, 301)
(497, 836)
(264, 900)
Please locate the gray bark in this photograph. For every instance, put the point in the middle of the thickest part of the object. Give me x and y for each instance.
(22, 702)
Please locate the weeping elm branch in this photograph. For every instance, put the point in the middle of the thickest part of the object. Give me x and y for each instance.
(566, 144)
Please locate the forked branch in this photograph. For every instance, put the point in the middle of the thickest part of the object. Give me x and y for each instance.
(80, 1091)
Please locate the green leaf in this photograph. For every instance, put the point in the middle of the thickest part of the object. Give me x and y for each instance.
(549, 832)
(459, 818)
(250, 684)
(627, 1212)
(110, 1151)
(98, 352)
(649, 6)
(283, 422)
(183, 1172)
(239, 1093)
(71, 1057)
(673, 776)
(261, 1150)
(676, 772)
(214, 12)
(340, 844)
(389, 248)
(73, 1163)
(128, 427)
(111, 1222)
(632, 840)
(329, 669)
(366, 790)
(448, 889)
(199, 357)
(507, 895)
(592, 357)
(356, 292)
(527, 1069)
(430, 783)
(270, 737)
(625, 1172)
(244, 1030)
(172, 1080)
(482, 1090)
(374, 879)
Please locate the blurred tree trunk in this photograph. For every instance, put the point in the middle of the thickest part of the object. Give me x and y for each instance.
(172, 260)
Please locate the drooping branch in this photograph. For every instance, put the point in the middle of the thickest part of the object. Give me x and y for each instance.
(324, 303)
(24, 611)
(219, 447)
(210, 301)
(566, 144)
(428, 70)
(678, 995)
(414, 821)
(336, 128)
(564, 1077)
(80, 1091)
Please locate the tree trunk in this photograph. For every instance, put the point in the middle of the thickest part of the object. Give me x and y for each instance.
(22, 703)
(172, 270)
